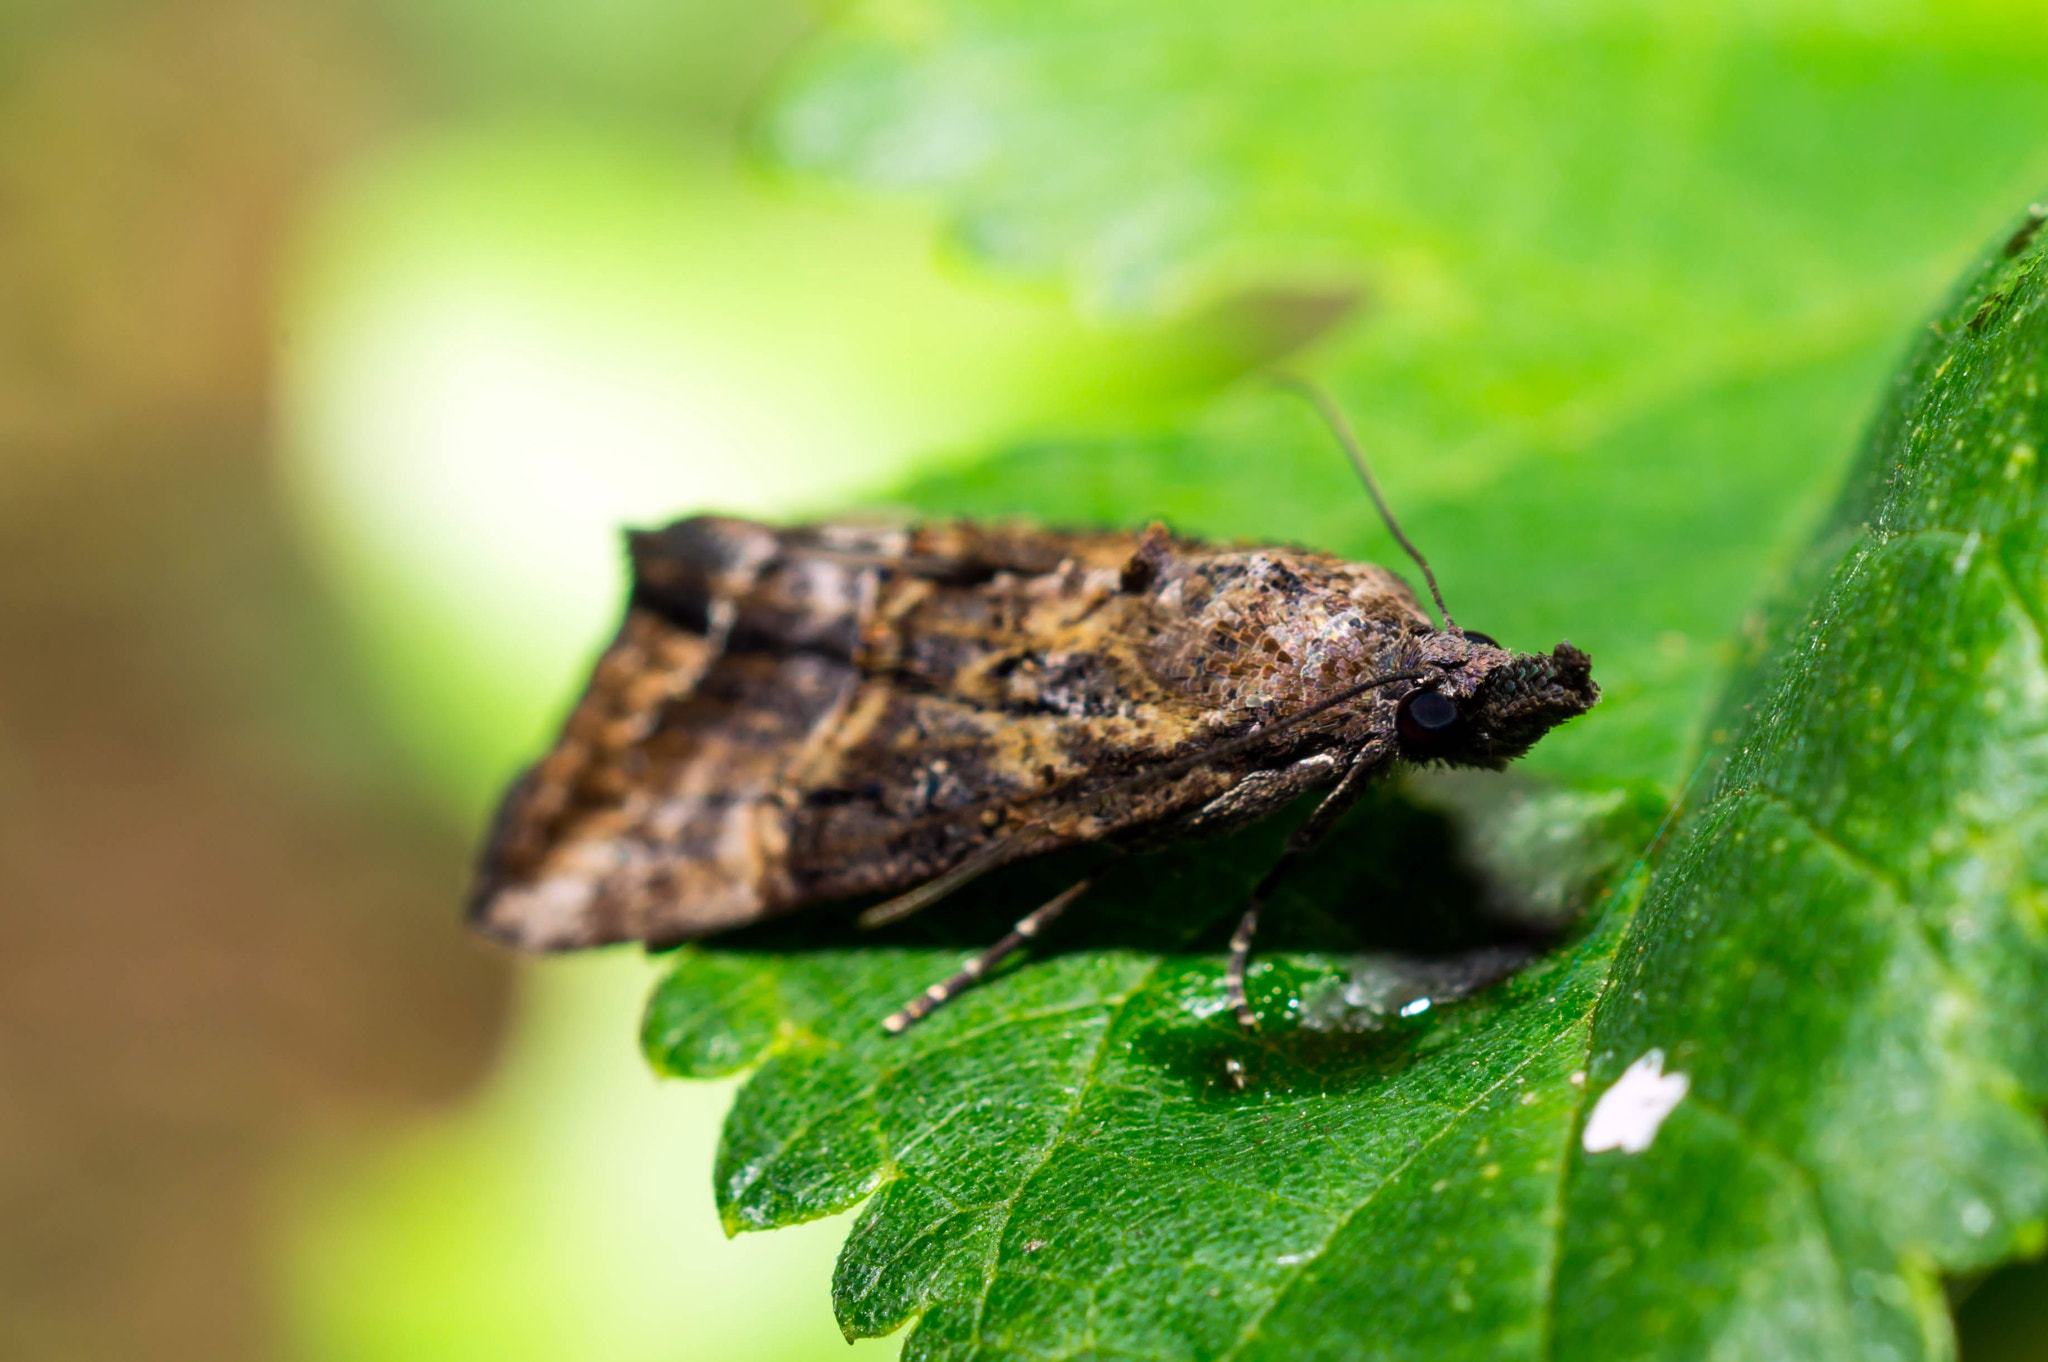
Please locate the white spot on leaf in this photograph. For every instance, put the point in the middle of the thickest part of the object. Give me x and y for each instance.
(1628, 1114)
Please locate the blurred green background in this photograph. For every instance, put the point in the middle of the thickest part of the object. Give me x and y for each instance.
(338, 340)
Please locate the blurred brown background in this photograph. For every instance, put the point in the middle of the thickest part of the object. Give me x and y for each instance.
(228, 914)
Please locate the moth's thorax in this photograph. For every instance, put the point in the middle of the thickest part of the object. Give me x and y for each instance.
(1258, 631)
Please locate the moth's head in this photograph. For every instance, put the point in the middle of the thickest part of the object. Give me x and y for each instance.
(1485, 706)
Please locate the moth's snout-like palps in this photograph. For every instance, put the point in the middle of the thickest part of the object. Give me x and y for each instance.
(1488, 706)
(1535, 694)
(793, 716)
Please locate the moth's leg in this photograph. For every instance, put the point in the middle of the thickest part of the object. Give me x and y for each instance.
(1313, 829)
(1258, 793)
(992, 855)
(1028, 926)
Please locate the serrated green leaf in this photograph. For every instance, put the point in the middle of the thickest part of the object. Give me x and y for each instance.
(1845, 954)
(1076, 1121)
(1635, 269)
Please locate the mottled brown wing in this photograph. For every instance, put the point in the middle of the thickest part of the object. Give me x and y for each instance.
(793, 716)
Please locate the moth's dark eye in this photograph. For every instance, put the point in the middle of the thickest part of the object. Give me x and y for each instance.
(1477, 637)
(1427, 721)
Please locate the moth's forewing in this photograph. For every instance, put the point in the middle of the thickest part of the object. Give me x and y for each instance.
(784, 716)
(653, 818)
(794, 716)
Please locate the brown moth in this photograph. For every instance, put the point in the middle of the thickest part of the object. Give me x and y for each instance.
(793, 716)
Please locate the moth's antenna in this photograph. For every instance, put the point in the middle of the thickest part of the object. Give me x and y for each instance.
(1333, 417)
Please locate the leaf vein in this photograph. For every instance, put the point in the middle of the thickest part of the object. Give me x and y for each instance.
(882, 1075)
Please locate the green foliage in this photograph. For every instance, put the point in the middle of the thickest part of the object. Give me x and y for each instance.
(1844, 953)
(1848, 952)
(1631, 274)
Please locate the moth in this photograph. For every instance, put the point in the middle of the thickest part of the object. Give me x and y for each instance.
(793, 716)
